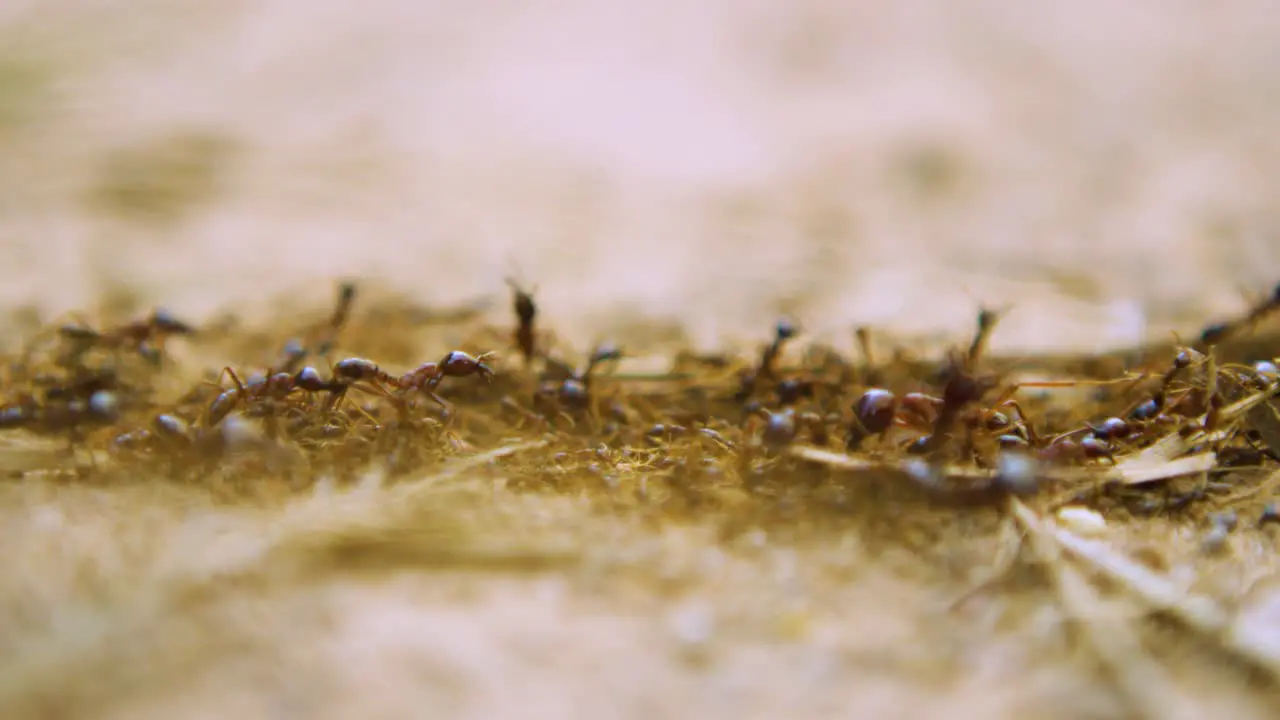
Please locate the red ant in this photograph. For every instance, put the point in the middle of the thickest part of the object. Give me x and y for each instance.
(427, 376)
(275, 386)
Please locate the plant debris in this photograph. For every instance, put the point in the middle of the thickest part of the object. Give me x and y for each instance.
(661, 434)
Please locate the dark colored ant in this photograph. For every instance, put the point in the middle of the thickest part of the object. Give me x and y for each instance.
(167, 431)
(84, 385)
(1065, 450)
(1216, 333)
(767, 368)
(987, 320)
(570, 391)
(526, 311)
(877, 410)
(71, 418)
(295, 351)
(145, 337)
(783, 427)
(1158, 403)
(871, 375)
(961, 389)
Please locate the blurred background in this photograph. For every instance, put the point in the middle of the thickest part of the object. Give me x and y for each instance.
(1109, 170)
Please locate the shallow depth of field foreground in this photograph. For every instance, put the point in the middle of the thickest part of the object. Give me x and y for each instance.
(653, 360)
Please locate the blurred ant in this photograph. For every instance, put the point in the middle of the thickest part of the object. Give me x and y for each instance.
(295, 351)
(1216, 333)
(526, 310)
(167, 431)
(71, 418)
(565, 391)
(987, 320)
(783, 427)
(767, 367)
(100, 408)
(145, 337)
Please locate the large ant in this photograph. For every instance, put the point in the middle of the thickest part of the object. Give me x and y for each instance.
(425, 378)
(275, 386)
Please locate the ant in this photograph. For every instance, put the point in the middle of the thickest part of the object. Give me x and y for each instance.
(295, 351)
(1216, 333)
(783, 427)
(366, 375)
(427, 376)
(71, 418)
(145, 337)
(526, 310)
(767, 368)
(275, 386)
(571, 390)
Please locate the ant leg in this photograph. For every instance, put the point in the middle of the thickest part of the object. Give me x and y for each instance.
(235, 379)
(336, 394)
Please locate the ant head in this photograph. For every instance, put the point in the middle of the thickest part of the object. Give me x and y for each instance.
(785, 330)
(165, 322)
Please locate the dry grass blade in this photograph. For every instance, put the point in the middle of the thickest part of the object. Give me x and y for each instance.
(1238, 409)
(1265, 418)
(1198, 613)
(1146, 686)
(457, 468)
(1132, 471)
(836, 460)
(1139, 470)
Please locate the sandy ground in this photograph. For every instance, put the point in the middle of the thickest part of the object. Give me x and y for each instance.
(1110, 172)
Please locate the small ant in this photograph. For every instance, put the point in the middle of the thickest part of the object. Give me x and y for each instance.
(526, 310)
(71, 418)
(1216, 333)
(783, 427)
(987, 320)
(295, 351)
(767, 368)
(145, 337)
(568, 391)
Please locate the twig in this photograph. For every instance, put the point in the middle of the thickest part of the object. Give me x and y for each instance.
(1145, 685)
(1198, 613)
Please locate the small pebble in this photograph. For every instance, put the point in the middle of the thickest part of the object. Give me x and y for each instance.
(1082, 520)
